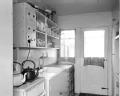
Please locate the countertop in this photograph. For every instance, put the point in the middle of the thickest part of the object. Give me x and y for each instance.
(48, 72)
(53, 70)
(28, 85)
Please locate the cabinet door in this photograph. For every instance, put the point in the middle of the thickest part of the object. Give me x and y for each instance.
(24, 23)
(35, 90)
(59, 85)
(30, 18)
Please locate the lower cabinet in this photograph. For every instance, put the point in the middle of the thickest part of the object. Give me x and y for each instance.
(62, 84)
(35, 88)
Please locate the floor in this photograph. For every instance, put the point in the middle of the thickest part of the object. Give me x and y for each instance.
(86, 94)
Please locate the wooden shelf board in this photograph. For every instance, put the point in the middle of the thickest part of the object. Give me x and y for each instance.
(40, 31)
(52, 22)
(53, 36)
(34, 48)
(30, 47)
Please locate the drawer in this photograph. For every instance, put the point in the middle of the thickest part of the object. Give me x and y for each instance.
(36, 90)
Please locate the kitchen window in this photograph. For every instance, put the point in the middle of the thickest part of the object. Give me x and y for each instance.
(67, 44)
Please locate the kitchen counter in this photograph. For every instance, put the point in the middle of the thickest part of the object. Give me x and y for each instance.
(53, 70)
(34, 88)
(28, 85)
(49, 72)
(53, 74)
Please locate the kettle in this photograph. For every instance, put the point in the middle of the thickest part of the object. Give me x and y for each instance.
(18, 77)
(32, 73)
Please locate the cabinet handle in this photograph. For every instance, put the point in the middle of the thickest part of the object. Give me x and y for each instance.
(29, 13)
(60, 93)
(33, 16)
(33, 30)
(28, 28)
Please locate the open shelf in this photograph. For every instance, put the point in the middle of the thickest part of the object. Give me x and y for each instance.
(52, 36)
(29, 47)
(40, 31)
(51, 23)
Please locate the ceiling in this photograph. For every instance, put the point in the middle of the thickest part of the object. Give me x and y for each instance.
(69, 7)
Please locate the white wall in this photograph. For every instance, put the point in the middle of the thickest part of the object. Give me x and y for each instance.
(6, 48)
(85, 20)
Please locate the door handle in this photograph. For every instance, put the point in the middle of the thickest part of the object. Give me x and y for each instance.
(104, 88)
(105, 60)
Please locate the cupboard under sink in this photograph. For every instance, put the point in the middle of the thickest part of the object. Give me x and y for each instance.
(34, 88)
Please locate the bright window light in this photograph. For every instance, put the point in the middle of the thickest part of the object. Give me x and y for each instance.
(68, 43)
(94, 43)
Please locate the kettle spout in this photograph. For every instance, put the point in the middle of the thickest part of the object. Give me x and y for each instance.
(24, 77)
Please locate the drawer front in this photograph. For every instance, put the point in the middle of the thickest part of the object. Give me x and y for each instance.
(36, 90)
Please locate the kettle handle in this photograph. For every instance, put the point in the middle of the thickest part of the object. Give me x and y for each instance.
(15, 62)
(28, 61)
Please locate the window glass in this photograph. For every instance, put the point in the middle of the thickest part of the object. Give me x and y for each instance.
(68, 43)
(94, 43)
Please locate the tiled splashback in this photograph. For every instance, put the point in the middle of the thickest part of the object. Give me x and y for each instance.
(21, 54)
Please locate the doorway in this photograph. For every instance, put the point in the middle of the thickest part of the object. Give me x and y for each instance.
(94, 77)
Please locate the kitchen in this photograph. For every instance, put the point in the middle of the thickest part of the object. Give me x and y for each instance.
(57, 47)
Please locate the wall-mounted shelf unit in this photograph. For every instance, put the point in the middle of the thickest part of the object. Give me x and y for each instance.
(30, 24)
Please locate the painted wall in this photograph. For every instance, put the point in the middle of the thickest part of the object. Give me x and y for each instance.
(85, 20)
(79, 22)
(6, 86)
(51, 54)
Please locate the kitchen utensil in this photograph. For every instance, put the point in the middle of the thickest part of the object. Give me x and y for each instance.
(32, 73)
(18, 77)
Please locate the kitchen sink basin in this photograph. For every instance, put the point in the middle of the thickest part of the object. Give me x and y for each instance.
(49, 72)
(53, 70)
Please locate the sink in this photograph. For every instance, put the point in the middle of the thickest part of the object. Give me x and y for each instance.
(49, 72)
(53, 69)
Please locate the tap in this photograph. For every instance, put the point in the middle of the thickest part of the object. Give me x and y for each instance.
(43, 57)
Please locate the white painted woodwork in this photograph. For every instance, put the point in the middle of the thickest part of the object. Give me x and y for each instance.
(105, 74)
(92, 80)
(35, 88)
(21, 23)
(6, 45)
(79, 58)
(115, 49)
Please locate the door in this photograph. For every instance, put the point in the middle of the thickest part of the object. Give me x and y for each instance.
(94, 70)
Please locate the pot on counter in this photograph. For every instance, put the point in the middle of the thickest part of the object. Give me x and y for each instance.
(18, 77)
(32, 73)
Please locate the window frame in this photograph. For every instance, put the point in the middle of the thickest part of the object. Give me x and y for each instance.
(67, 38)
